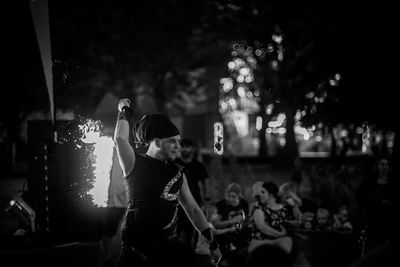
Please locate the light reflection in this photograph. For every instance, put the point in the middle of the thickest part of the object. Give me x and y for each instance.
(258, 123)
(241, 91)
(240, 79)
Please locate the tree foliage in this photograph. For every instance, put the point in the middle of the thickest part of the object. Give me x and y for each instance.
(147, 50)
(170, 55)
(311, 56)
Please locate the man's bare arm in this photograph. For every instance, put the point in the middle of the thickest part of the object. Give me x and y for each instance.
(125, 151)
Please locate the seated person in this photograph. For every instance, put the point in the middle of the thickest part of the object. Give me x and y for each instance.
(202, 247)
(231, 212)
(342, 220)
(307, 220)
(323, 220)
(267, 219)
(292, 202)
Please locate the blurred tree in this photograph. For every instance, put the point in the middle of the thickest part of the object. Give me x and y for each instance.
(172, 53)
(311, 57)
(146, 51)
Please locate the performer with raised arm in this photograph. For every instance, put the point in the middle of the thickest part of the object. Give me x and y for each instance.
(154, 187)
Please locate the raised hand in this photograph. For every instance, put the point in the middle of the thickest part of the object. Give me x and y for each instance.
(124, 102)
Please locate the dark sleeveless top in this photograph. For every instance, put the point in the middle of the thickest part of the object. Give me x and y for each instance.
(152, 189)
(274, 218)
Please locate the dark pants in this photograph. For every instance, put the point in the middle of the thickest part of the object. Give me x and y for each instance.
(185, 230)
(139, 236)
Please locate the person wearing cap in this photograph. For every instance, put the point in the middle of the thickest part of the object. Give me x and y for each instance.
(154, 185)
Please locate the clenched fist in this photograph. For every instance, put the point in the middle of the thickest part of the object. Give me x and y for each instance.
(123, 102)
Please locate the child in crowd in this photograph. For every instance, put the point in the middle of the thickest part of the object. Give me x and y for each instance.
(323, 220)
(308, 220)
(292, 202)
(342, 220)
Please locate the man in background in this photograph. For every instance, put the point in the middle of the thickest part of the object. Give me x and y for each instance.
(196, 174)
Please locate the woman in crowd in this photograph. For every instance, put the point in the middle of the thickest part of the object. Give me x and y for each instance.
(268, 216)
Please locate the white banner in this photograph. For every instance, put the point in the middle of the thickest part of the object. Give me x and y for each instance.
(40, 15)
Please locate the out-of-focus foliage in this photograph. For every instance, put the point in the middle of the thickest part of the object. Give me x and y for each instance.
(147, 50)
(320, 57)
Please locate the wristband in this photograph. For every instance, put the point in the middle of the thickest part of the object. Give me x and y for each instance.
(214, 245)
(208, 235)
(125, 113)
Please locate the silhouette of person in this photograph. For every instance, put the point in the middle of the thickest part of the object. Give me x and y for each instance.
(196, 174)
(376, 199)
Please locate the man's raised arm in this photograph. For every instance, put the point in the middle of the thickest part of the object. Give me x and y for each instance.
(125, 151)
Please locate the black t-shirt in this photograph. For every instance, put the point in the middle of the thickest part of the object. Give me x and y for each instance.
(153, 188)
(227, 212)
(195, 171)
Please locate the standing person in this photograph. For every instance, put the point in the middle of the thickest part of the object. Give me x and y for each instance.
(196, 175)
(154, 187)
(196, 172)
(376, 199)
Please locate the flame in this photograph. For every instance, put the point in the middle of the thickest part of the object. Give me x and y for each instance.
(102, 159)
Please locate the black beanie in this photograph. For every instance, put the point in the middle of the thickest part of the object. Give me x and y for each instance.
(155, 125)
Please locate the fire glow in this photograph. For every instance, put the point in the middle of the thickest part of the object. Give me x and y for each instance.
(101, 155)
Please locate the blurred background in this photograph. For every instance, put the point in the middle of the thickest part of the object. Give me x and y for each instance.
(306, 82)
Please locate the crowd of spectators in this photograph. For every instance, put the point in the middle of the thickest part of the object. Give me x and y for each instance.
(338, 227)
(346, 217)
